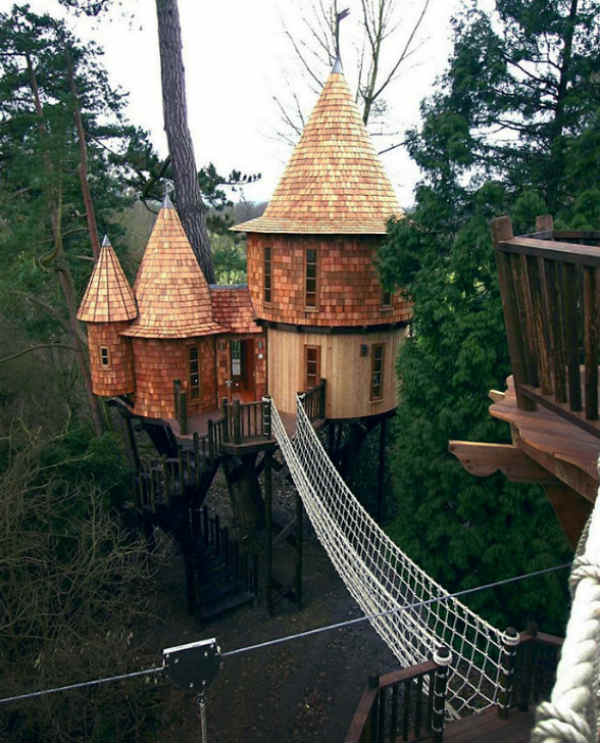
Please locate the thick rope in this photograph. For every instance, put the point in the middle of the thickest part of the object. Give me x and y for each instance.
(572, 712)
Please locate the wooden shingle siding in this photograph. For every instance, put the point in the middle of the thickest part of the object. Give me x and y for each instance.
(117, 377)
(158, 363)
(349, 290)
(334, 182)
(108, 296)
(172, 295)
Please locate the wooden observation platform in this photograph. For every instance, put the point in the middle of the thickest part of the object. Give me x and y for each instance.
(550, 285)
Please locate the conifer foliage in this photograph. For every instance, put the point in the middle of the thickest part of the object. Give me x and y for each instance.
(512, 128)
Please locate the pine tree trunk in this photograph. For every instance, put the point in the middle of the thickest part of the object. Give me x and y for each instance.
(187, 189)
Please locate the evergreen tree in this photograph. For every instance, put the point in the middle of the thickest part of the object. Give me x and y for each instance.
(509, 130)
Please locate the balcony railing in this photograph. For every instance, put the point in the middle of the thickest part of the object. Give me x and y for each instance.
(313, 401)
(409, 704)
(550, 286)
(402, 705)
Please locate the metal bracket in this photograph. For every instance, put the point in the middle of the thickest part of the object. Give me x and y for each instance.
(193, 666)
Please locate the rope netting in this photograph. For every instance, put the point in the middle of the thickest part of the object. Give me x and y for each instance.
(384, 581)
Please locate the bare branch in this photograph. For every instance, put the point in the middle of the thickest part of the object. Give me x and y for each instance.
(36, 348)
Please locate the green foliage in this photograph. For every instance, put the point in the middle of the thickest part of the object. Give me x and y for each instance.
(43, 214)
(511, 129)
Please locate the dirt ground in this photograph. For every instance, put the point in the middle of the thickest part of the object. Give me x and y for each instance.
(302, 690)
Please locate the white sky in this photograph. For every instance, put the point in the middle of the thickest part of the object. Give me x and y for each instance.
(237, 58)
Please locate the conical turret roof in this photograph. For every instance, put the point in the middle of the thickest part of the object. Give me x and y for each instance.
(334, 182)
(108, 296)
(172, 295)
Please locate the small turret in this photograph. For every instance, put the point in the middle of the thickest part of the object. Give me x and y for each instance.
(173, 335)
(107, 308)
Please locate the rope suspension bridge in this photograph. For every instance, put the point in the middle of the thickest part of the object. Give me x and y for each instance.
(384, 580)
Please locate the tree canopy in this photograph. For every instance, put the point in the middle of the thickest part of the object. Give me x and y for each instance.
(511, 128)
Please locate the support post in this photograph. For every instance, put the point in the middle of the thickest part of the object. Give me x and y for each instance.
(225, 408)
(237, 422)
(266, 416)
(299, 545)
(443, 657)
(132, 443)
(381, 471)
(269, 532)
(183, 419)
(510, 641)
(176, 391)
(330, 438)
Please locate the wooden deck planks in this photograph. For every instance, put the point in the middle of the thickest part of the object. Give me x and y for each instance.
(549, 433)
(489, 727)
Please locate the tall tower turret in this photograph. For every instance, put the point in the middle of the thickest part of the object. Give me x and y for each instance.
(107, 308)
(311, 271)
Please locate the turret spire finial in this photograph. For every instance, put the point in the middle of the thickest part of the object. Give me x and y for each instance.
(339, 17)
(105, 241)
(167, 203)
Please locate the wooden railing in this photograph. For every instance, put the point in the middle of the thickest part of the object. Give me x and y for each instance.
(313, 401)
(401, 705)
(535, 663)
(243, 422)
(550, 290)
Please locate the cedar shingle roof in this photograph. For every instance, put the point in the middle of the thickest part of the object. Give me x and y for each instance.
(172, 294)
(233, 309)
(334, 182)
(108, 296)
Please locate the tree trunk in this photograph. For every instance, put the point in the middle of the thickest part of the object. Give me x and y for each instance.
(187, 189)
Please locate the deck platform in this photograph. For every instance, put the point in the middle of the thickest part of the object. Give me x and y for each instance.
(488, 726)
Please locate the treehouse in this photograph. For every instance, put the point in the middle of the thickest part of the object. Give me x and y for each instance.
(550, 283)
(173, 340)
(311, 272)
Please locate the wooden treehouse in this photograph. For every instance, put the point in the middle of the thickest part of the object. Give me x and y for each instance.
(191, 363)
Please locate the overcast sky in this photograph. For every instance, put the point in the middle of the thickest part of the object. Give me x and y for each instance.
(237, 58)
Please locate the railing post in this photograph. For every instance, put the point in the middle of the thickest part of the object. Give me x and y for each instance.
(322, 399)
(237, 422)
(211, 439)
(508, 652)
(266, 416)
(501, 232)
(373, 721)
(225, 407)
(443, 657)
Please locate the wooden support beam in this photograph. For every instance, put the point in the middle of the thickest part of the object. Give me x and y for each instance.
(268, 532)
(571, 509)
(381, 471)
(483, 460)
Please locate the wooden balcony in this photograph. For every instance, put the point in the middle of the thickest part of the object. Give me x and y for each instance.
(408, 704)
(550, 286)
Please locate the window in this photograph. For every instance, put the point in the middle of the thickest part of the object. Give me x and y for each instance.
(312, 365)
(310, 298)
(377, 356)
(194, 375)
(236, 358)
(267, 274)
(386, 299)
(104, 357)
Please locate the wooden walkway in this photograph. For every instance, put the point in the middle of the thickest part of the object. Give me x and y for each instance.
(488, 727)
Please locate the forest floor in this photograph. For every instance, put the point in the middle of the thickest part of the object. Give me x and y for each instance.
(301, 690)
